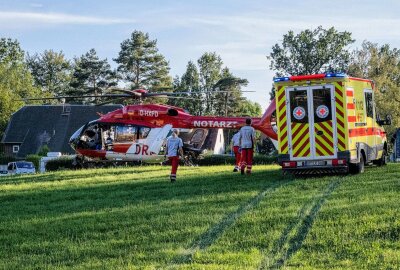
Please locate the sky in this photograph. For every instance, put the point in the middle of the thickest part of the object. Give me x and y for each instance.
(241, 32)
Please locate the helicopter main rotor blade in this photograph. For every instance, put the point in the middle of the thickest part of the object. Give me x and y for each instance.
(113, 101)
(82, 96)
(183, 93)
(126, 91)
(190, 98)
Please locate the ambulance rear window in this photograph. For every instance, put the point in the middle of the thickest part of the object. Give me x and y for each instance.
(298, 106)
(322, 105)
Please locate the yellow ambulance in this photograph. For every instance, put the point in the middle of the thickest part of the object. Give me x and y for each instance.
(327, 123)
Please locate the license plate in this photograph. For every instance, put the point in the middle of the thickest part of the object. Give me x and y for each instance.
(315, 163)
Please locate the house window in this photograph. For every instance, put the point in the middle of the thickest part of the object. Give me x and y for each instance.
(15, 148)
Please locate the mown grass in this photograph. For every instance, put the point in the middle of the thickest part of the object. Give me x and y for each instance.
(133, 218)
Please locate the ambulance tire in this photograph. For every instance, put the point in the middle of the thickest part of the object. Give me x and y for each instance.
(382, 160)
(358, 167)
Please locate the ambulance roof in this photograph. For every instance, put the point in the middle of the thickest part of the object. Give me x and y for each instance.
(318, 77)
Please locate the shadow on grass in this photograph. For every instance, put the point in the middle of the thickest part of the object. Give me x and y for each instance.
(304, 223)
(213, 233)
(73, 199)
(81, 174)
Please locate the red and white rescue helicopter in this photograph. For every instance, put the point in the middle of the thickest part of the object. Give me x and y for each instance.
(138, 132)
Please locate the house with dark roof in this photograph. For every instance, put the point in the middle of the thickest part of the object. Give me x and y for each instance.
(34, 126)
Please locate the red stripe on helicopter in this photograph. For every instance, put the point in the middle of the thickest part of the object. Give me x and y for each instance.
(121, 148)
(92, 153)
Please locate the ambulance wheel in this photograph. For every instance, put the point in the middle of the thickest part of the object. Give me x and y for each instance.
(358, 167)
(382, 160)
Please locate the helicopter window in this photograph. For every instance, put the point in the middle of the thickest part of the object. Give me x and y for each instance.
(126, 133)
(144, 132)
(198, 136)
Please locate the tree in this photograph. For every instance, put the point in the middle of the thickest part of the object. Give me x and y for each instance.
(219, 87)
(141, 64)
(382, 65)
(15, 80)
(230, 96)
(51, 72)
(311, 51)
(189, 83)
(248, 108)
(91, 75)
(210, 65)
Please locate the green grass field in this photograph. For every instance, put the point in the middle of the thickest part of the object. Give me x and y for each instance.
(211, 218)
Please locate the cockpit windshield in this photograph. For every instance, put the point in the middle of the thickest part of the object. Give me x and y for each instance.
(103, 136)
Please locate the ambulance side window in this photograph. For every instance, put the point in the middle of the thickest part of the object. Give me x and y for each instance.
(369, 104)
(298, 106)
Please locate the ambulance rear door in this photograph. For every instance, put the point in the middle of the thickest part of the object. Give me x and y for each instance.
(311, 114)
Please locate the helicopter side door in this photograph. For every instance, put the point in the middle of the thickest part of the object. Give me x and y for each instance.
(151, 145)
(158, 140)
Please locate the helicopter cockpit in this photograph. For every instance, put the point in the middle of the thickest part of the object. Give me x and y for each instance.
(104, 136)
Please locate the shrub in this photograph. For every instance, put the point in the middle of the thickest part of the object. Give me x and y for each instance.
(43, 151)
(227, 159)
(59, 164)
(35, 159)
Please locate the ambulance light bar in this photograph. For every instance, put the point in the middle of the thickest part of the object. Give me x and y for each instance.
(310, 77)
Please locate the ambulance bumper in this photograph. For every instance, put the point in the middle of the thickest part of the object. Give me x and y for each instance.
(329, 166)
(317, 170)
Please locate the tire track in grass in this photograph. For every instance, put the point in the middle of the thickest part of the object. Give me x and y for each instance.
(279, 254)
(211, 235)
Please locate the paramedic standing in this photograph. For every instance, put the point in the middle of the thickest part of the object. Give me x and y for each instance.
(247, 138)
(236, 150)
(173, 150)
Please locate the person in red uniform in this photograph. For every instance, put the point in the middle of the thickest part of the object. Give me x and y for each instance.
(173, 150)
(236, 150)
(247, 136)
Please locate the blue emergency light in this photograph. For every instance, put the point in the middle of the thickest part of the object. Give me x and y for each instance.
(335, 75)
(281, 79)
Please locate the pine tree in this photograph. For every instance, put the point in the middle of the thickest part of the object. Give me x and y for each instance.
(92, 75)
(189, 83)
(141, 64)
(210, 65)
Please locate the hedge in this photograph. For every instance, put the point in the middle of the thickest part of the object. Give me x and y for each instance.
(35, 159)
(227, 159)
(60, 164)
